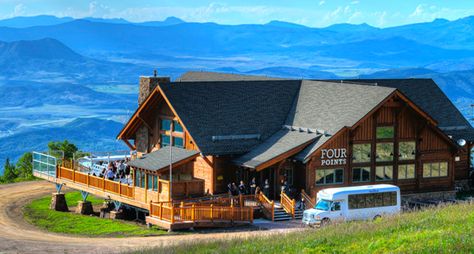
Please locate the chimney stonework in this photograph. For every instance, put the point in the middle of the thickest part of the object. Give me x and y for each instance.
(147, 85)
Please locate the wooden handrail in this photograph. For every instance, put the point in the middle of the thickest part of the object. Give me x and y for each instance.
(307, 199)
(193, 213)
(97, 182)
(267, 205)
(287, 204)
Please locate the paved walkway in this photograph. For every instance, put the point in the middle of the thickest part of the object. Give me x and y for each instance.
(17, 236)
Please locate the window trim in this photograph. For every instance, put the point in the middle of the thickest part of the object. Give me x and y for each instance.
(334, 173)
(393, 152)
(384, 167)
(406, 171)
(439, 168)
(369, 155)
(360, 167)
(385, 126)
(400, 155)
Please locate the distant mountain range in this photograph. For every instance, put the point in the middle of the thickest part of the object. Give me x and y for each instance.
(88, 133)
(66, 77)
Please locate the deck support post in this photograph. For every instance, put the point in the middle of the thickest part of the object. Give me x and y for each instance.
(117, 205)
(58, 202)
(59, 186)
(84, 195)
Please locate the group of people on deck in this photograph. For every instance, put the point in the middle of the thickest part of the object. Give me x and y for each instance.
(254, 189)
(117, 171)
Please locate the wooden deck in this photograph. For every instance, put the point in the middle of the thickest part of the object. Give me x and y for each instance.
(168, 214)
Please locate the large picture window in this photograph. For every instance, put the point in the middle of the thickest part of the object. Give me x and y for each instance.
(406, 171)
(361, 174)
(361, 153)
(385, 132)
(384, 152)
(171, 129)
(407, 150)
(383, 173)
(329, 176)
(435, 169)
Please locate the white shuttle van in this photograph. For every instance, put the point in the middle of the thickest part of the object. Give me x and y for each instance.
(353, 203)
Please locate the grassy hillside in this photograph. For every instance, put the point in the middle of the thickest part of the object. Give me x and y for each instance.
(447, 229)
(39, 214)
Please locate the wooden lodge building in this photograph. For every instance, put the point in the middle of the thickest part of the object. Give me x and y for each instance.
(311, 134)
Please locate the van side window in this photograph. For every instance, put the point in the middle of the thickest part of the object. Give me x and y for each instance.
(336, 206)
(359, 201)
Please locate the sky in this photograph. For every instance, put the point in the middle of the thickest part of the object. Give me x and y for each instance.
(314, 13)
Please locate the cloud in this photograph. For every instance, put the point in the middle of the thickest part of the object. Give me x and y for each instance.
(322, 2)
(19, 10)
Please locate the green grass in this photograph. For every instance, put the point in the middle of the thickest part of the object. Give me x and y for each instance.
(448, 229)
(38, 213)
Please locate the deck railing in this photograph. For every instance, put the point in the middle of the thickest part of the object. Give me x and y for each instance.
(94, 181)
(308, 201)
(267, 205)
(173, 213)
(287, 204)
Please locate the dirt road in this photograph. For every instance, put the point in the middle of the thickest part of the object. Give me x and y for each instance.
(17, 236)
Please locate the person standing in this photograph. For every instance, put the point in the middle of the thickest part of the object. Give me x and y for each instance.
(241, 188)
(266, 188)
(253, 186)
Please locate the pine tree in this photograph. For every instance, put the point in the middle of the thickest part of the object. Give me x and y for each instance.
(9, 173)
(24, 166)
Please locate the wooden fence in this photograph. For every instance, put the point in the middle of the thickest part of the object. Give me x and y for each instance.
(95, 182)
(173, 213)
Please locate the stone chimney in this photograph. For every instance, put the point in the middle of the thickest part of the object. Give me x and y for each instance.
(148, 84)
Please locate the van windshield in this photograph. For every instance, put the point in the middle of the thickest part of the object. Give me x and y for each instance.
(323, 205)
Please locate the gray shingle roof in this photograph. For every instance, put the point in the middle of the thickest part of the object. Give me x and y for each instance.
(331, 106)
(216, 76)
(279, 143)
(427, 95)
(160, 159)
(305, 154)
(210, 109)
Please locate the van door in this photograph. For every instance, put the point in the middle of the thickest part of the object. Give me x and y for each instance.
(336, 211)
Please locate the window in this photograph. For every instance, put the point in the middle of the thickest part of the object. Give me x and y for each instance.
(288, 174)
(383, 173)
(140, 179)
(171, 128)
(329, 176)
(384, 152)
(150, 182)
(177, 127)
(385, 132)
(165, 140)
(406, 171)
(336, 206)
(360, 201)
(361, 174)
(166, 125)
(407, 150)
(155, 183)
(435, 169)
(178, 142)
(361, 153)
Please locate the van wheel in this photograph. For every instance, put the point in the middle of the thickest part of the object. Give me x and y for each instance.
(325, 222)
(377, 217)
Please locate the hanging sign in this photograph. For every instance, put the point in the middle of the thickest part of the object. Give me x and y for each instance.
(333, 157)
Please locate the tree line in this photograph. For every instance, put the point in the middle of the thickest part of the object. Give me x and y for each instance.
(22, 170)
